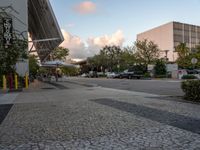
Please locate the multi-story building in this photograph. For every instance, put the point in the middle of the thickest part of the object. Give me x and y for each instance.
(169, 35)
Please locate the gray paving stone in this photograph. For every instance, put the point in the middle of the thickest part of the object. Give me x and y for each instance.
(67, 119)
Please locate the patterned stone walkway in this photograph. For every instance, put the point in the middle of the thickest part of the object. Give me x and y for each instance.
(80, 117)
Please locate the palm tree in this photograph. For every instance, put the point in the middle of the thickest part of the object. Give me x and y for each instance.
(182, 50)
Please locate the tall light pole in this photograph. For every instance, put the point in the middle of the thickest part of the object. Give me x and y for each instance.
(166, 58)
(166, 54)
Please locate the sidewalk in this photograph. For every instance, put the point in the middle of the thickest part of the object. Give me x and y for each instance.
(82, 117)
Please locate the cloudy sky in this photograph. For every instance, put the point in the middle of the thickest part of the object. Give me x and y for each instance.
(88, 25)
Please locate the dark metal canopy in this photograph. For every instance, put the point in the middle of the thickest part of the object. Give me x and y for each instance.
(43, 28)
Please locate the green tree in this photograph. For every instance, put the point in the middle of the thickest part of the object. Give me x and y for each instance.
(108, 58)
(60, 53)
(33, 65)
(185, 56)
(70, 71)
(160, 67)
(127, 58)
(9, 56)
(113, 54)
(147, 52)
(182, 50)
(197, 56)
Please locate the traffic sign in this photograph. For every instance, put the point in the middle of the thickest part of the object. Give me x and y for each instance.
(194, 61)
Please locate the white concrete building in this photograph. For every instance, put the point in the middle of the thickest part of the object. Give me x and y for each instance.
(169, 35)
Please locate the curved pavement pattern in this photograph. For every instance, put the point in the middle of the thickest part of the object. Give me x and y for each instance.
(76, 116)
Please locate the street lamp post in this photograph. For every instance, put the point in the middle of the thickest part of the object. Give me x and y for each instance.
(166, 59)
(166, 54)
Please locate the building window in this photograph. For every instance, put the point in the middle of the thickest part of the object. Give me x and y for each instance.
(178, 38)
(194, 34)
(193, 28)
(178, 26)
(193, 40)
(186, 27)
(186, 39)
(178, 32)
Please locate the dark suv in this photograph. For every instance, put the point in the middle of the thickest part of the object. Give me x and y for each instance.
(131, 73)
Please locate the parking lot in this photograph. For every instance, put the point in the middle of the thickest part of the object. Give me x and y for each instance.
(167, 87)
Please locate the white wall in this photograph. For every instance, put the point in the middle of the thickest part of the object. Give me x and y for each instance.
(20, 20)
(20, 25)
(162, 36)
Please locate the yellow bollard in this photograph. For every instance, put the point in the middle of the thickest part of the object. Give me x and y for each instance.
(4, 83)
(16, 82)
(26, 81)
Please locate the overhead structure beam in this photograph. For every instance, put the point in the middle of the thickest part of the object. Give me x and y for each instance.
(43, 28)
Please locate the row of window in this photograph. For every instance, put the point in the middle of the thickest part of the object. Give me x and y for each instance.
(180, 32)
(180, 38)
(187, 44)
(186, 27)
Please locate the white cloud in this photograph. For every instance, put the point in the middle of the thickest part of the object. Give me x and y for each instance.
(74, 44)
(86, 7)
(78, 48)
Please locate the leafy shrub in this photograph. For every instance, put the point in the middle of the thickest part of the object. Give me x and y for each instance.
(160, 68)
(102, 75)
(189, 77)
(147, 75)
(160, 76)
(191, 88)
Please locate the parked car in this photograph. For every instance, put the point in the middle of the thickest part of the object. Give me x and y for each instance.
(84, 75)
(93, 74)
(112, 75)
(192, 71)
(131, 73)
(101, 74)
(195, 72)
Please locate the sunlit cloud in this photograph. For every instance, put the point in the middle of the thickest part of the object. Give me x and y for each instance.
(81, 50)
(74, 44)
(86, 7)
(96, 43)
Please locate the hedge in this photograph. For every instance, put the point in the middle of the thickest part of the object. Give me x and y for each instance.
(189, 77)
(191, 88)
(160, 76)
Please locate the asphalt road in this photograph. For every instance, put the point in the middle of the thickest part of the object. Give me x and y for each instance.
(160, 87)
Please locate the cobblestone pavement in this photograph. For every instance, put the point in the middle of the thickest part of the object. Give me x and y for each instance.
(81, 117)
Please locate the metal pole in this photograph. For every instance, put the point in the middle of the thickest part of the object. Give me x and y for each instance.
(16, 82)
(11, 81)
(4, 83)
(26, 81)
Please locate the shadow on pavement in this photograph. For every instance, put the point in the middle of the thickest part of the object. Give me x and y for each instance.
(4, 110)
(169, 118)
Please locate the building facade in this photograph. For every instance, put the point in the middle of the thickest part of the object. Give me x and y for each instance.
(34, 18)
(169, 35)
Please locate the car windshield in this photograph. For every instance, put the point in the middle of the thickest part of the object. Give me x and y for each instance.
(125, 71)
